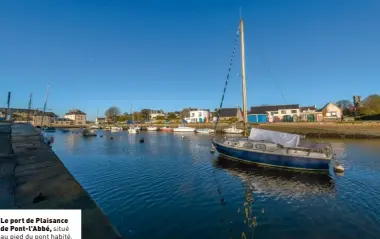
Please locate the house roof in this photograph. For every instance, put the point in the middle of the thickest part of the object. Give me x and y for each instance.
(327, 105)
(264, 109)
(228, 112)
(75, 112)
(305, 108)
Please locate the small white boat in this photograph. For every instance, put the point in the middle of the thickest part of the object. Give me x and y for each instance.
(151, 128)
(205, 131)
(138, 127)
(133, 130)
(182, 128)
(94, 126)
(116, 129)
(233, 130)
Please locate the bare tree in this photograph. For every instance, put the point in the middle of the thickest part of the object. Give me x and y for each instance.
(112, 112)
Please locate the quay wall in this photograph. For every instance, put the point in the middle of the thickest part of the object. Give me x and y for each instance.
(37, 179)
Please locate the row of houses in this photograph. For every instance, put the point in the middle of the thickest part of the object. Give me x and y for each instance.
(256, 114)
(38, 118)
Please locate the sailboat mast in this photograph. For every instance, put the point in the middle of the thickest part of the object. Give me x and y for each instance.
(46, 99)
(244, 89)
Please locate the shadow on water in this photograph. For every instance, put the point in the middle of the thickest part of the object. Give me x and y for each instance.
(279, 182)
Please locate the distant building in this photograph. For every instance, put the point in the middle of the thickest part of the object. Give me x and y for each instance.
(227, 113)
(277, 113)
(100, 120)
(63, 122)
(43, 119)
(19, 114)
(198, 116)
(77, 116)
(331, 112)
(153, 114)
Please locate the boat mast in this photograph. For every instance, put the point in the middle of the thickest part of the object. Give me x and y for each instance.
(46, 99)
(243, 76)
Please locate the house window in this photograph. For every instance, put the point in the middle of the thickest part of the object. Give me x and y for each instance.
(333, 113)
(200, 114)
(272, 113)
(294, 111)
(192, 114)
(283, 112)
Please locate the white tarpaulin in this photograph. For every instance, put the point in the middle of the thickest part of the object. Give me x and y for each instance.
(285, 139)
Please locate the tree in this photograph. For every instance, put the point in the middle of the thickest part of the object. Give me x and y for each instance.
(171, 115)
(145, 114)
(160, 117)
(371, 105)
(112, 112)
(344, 104)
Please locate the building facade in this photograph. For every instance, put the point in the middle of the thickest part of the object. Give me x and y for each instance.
(77, 116)
(331, 112)
(198, 116)
(43, 119)
(153, 114)
(100, 120)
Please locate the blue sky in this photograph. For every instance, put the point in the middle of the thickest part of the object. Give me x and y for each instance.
(174, 54)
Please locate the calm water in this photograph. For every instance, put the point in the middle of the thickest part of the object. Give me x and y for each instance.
(169, 187)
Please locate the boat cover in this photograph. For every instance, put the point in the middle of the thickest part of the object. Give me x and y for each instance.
(285, 139)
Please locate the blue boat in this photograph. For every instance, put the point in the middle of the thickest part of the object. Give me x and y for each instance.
(269, 148)
(65, 130)
(271, 154)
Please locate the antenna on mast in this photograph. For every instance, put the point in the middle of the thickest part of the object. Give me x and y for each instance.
(240, 12)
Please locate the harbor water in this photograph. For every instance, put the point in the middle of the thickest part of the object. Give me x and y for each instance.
(170, 186)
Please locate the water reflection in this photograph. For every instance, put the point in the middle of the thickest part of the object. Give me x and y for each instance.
(284, 184)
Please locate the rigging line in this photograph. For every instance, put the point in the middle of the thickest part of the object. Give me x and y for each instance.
(228, 76)
(273, 78)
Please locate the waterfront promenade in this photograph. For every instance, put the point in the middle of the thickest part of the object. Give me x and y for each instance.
(33, 177)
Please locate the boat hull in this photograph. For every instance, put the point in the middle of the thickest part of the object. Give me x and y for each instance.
(166, 130)
(183, 130)
(273, 160)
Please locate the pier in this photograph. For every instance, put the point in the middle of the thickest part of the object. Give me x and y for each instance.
(33, 177)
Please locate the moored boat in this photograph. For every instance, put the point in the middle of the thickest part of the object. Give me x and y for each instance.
(65, 130)
(166, 129)
(151, 128)
(232, 130)
(183, 128)
(116, 129)
(269, 148)
(276, 149)
(133, 130)
(205, 131)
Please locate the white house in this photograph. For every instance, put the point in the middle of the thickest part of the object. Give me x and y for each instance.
(275, 112)
(79, 117)
(100, 120)
(331, 112)
(155, 113)
(198, 116)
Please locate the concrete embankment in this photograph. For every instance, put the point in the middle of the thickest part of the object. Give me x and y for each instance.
(37, 179)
